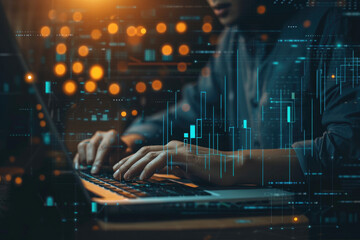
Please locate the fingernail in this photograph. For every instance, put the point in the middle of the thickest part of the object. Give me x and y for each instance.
(94, 170)
(115, 173)
(127, 176)
(142, 176)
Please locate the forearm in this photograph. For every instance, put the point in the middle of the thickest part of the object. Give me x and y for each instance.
(263, 166)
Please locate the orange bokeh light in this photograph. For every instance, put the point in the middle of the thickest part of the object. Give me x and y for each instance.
(131, 31)
(140, 31)
(156, 85)
(38, 107)
(77, 16)
(45, 31)
(140, 87)
(52, 14)
(184, 49)
(83, 51)
(90, 86)
(42, 123)
(61, 48)
(77, 67)
(182, 67)
(18, 180)
(29, 77)
(134, 112)
(65, 31)
(69, 87)
(123, 114)
(40, 115)
(96, 72)
(114, 89)
(161, 27)
(207, 27)
(60, 69)
(181, 27)
(113, 28)
(166, 50)
(261, 9)
(307, 23)
(96, 34)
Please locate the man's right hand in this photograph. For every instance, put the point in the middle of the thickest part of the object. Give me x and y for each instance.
(104, 148)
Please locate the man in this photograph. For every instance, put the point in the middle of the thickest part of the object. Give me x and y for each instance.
(282, 94)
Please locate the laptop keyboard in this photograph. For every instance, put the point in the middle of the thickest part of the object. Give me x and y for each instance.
(140, 189)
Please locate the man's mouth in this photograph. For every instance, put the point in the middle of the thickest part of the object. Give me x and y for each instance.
(222, 9)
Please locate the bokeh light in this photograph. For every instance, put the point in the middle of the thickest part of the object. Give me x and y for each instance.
(96, 34)
(65, 31)
(60, 69)
(131, 31)
(114, 89)
(184, 49)
(207, 27)
(42, 123)
(134, 112)
(77, 67)
(83, 51)
(113, 28)
(96, 72)
(156, 85)
(140, 87)
(181, 27)
(166, 50)
(181, 67)
(161, 27)
(261, 9)
(61, 48)
(29, 77)
(69, 87)
(77, 16)
(140, 31)
(123, 114)
(45, 31)
(90, 86)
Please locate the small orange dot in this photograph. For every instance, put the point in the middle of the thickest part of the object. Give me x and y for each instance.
(18, 180)
(60, 69)
(296, 219)
(56, 172)
(38, 107)
(113, 28)
(90, 86)
(261, 9)
(123, 114)
(114, 89)
(307, 23)
(52, 14)
(185, 107)
(207, 27)
(40, 115)
(140, 87)
(95, 228)
(69, 87)
(182, 67)
(77, 67)
(333, 76)
(45, 31)
(42, 177)
(161, 27)
(156, 85)
(181, 27)
(83, 51)
(11, 159)
(8, 177)
(134, 112)
(42, 123)
(96, 72)
(61, 48)
(131, 31)
(140, 31)
(166, 50)
(29, 78)
(96, 34)
(184, 49)
(65, 31)
(264, 37)
(77, 16)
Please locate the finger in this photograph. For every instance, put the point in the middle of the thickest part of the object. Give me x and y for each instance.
(103, 151)
(121, 162)
(92, 147)
(158, 163)
(137, 156)
(138, 166)
(82, 151)
(76, 161)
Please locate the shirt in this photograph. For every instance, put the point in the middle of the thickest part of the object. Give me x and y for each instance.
(302, 94)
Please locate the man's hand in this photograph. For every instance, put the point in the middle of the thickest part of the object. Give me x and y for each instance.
(104, 148)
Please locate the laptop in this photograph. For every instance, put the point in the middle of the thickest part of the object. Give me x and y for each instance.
(162, 192)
